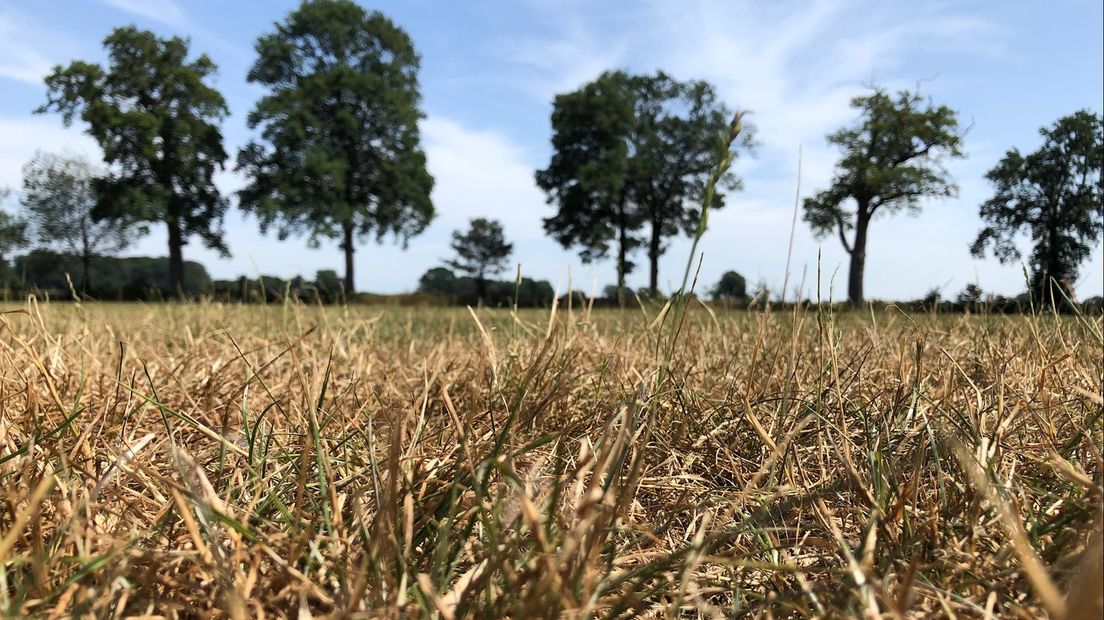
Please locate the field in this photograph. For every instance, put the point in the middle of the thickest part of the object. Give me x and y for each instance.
(199, 460)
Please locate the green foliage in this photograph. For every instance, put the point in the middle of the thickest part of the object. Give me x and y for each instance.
(892, 159)
(675, 145)
(13, 235)
(587, 177)
(329, 285)
(631, 151)
(142, 278)
(156, 119)
(340, 154)
(59, 200)
(438, 281)
(1055, 195)
(1094, 304)
(971, 297)
(110, 278)
(611, 293)
(13, 232)
(480, 251)
(443, 283)
(731, 287)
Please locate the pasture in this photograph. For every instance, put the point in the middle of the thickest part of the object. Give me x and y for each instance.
(210, 460)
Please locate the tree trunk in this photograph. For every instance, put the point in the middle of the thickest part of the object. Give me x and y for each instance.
(1051, 278)
(176, 259)
(622, 256)
(347, 246)
(86, 254)
(653, 257)
(86, 264)
(480, 289)
(858, 260)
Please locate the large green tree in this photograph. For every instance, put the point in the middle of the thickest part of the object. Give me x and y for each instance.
(893, 158)
(674, 148)
(630, 152)
(1054, 195)
(587, 179)
(157, 121)
(481, 250)
(59, 201)
(340, 154)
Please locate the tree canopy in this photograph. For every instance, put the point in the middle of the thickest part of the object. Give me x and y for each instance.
(340, 155)
(731, 287)
(892, 159)
(110, 277)
(443, 283)
(13, 235)
(1054, 195)
(587, 177)
(482, 250)
(631, 151)
(156, 119)
(59, 200)
(675, 146)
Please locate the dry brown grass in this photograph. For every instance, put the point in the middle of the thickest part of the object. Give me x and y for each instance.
(209, 460)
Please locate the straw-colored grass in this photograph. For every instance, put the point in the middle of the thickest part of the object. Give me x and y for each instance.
(210, 460)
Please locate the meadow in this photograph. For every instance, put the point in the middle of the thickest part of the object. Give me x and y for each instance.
(215, 460)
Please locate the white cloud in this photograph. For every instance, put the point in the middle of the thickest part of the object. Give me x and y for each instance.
(479, 173)
(164, 11)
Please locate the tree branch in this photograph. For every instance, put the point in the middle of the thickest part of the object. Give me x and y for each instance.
(842, 236)
(911, 155)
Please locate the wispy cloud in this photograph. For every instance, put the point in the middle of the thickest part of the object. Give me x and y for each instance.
(19, 57)
(481, 173)
(23, 136)
(164, 11)
(796, 66)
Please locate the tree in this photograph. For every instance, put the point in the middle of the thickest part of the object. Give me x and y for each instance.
(480, 251)
(892, 159)
(59, 200)
(340, 154)
(13, 235)
(731, 287)
(438, 281)
(674, 146)
(329, 285)
(156, 119)
(971, 297)
(588, 176)
(762, 292)
(630, 151)
(132, 277)
(1055, 195)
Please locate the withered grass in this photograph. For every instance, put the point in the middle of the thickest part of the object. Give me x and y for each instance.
(209, 460)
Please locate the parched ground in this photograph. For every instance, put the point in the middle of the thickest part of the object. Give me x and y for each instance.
(212, 460)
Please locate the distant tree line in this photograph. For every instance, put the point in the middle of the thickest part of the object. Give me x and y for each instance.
(337, 157)
(107, 277)
(56, 275)
(460, 289)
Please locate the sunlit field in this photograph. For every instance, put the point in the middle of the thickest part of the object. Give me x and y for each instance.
(246, 461)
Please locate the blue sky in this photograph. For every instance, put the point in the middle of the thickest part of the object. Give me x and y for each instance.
(490, 70)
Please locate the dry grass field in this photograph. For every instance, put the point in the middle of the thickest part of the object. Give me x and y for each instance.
(207, 460)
